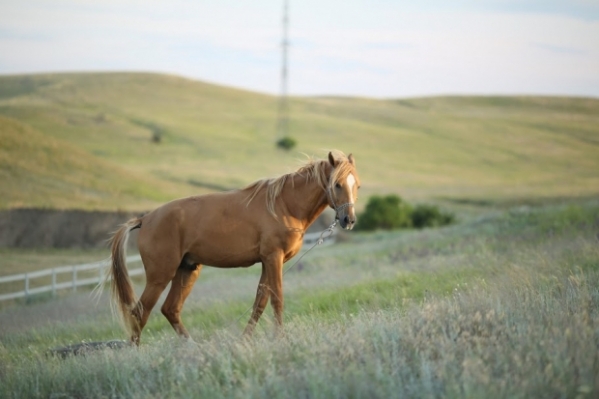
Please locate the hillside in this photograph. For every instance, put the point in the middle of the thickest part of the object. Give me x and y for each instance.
(41, 170)
(98, 129)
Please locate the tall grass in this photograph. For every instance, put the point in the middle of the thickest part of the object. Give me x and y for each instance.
(515, 317)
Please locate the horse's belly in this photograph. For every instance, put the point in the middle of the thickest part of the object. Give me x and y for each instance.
(236, 255)
(223, 255)
(228, 243)
(229, 262)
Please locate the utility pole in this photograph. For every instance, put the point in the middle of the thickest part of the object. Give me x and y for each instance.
(283, 112)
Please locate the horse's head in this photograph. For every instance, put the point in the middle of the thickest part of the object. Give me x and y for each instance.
(342, 190)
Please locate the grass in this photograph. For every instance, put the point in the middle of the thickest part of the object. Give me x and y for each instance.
(504, 306)
(99, 127)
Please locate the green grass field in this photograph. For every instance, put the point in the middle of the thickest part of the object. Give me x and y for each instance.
(84, 141)
(502, 304)
(501, 307)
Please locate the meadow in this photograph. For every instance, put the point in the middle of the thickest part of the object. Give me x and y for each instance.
(85, 141)
(503, 306)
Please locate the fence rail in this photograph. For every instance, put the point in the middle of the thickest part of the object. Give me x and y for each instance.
(76, 281)
(55, 273)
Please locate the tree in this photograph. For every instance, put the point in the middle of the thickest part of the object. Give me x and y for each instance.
(286, 143)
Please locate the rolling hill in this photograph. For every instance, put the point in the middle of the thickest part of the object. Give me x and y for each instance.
(85, 141)
(39, 169)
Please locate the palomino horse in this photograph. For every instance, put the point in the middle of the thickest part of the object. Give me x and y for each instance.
(264, 222)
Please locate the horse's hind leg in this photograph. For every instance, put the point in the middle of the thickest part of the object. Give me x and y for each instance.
(181, 286)
(142, 311)
(159, 272)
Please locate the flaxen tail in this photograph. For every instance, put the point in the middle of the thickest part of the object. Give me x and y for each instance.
(123, 296)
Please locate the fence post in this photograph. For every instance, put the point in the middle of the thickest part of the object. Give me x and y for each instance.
(53, 282)
(74, 279)
(26, 285)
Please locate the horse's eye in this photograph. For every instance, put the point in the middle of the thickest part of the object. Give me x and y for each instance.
(338, 185)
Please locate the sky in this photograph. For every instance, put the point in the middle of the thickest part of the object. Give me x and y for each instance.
(368, 48)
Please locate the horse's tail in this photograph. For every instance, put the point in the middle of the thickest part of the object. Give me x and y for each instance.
(123, 295)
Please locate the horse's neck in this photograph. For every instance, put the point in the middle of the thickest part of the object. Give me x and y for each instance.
(305, 200)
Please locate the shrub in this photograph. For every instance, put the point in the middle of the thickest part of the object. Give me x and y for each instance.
(286, 143)
(389, 212)
(425, 215)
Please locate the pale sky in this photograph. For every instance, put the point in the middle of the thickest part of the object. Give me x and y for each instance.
(373, 48)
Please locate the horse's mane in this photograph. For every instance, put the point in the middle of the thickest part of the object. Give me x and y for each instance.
(312, 170)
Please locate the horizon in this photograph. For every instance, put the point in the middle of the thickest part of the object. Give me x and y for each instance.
(343, 96)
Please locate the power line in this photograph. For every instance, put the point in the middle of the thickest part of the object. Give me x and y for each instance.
(283, 111)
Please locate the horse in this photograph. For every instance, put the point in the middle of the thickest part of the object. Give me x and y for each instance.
(262, 223)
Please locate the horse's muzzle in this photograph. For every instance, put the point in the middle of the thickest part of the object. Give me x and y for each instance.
(347, 221)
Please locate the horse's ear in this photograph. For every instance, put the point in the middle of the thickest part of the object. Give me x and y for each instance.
(351, 159)
(332, 160)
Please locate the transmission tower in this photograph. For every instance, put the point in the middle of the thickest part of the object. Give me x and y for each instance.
(283, 112)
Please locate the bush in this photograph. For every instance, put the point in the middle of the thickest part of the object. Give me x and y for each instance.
(389, 212)
(430, 216)
(286, 143)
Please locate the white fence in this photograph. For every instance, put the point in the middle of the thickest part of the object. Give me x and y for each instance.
(57, 275)
(70, 277)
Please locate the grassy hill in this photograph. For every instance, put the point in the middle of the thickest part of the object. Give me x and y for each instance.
(85, 141)
(38, 169)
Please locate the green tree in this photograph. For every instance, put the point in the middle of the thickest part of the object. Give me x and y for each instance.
(286, 143)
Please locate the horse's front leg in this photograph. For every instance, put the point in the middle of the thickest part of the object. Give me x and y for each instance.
(262, 295)
(273, 266)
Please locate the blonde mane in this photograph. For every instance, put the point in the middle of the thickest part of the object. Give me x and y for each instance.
(313, 170)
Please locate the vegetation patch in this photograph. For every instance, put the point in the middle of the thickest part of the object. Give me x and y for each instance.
(286, 143)
(392, 212)
(502, 307)
(157, 131)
